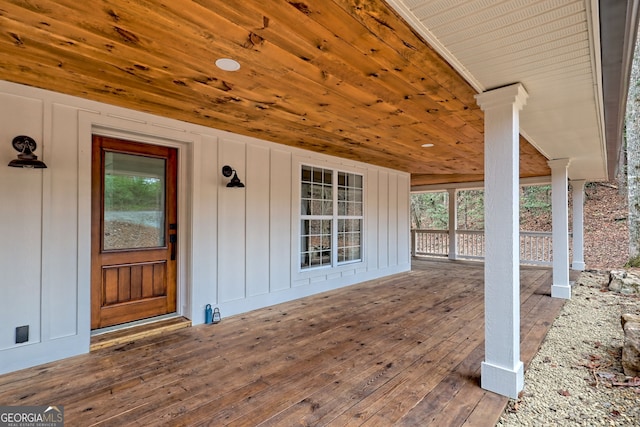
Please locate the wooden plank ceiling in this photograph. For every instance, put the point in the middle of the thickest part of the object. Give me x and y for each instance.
(343, 77)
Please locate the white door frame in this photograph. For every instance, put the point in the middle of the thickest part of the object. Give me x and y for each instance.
(90, 123)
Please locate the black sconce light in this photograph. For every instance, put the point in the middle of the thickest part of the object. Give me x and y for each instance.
(25, 146)
(235, 181)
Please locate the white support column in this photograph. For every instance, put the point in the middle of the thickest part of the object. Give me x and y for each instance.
(561, 287)
(502, 370)
(453, 223)
(578, 225)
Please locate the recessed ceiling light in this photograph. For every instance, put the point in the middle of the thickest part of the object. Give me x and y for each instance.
(427, 145)
(228, 64)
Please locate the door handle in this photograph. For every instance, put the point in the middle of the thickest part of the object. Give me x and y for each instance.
(173, 239)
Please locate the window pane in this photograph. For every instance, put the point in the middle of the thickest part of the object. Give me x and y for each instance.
(318, 194)
(306, 174)
(305, 207)
(316, 191)
(327, 208)
(315, 246)
(354, 209)
(349, 240)
(316, 208)
(305, 190)
(134, 202)
(328, 193)
(355, 240)
(318, 175)
(357, 211)
(328, 176)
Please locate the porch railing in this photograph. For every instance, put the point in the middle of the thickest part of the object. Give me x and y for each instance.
(430, 242)
(470, 244)
(535, 246)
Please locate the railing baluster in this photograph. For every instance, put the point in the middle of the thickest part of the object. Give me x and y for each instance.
(535, 246)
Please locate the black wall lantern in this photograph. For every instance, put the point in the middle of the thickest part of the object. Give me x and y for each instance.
(235, 181)
(25, 146)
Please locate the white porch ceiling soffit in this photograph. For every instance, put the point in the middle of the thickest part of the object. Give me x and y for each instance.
(552, 47)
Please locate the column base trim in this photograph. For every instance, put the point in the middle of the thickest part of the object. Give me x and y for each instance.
(505, 382)
(561, 291)
(578, 266)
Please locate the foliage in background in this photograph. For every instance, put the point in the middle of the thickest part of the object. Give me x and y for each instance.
(535, 198)
(430, 210)
(633, 262)
(132, 193)
(471, 210)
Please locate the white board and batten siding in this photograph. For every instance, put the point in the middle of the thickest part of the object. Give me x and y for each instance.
(280, 231)
(238, 247)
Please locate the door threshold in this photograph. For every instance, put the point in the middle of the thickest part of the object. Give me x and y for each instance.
(128, 332)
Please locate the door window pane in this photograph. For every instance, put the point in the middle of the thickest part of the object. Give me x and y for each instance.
(134, 202)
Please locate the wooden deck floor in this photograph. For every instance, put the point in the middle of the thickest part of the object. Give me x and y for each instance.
(403, 350)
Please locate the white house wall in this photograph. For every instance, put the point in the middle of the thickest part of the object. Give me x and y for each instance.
(238, 248)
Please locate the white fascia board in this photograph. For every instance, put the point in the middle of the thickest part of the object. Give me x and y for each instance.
(475, 185)
(593, 18)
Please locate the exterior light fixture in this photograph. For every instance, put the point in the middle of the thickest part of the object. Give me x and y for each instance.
(25, 146)
(228, 64)
(427, 145)
(235, 181)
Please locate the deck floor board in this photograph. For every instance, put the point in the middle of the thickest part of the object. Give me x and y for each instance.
(402, 350)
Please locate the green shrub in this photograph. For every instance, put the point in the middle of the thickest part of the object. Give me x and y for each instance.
(633, 262)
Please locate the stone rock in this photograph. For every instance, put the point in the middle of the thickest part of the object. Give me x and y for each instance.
(624, 282)
(593, 278)
(631, 347)
(629, 317)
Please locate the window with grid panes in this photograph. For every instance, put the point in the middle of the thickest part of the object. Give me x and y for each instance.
(349, 217)
(331, 213)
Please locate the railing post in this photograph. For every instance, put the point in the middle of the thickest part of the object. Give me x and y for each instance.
(453, 223)
(413, 243)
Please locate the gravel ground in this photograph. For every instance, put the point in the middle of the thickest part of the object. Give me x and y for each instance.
(576, 378)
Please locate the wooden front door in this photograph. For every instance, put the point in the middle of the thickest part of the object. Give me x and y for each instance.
(133, 231)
